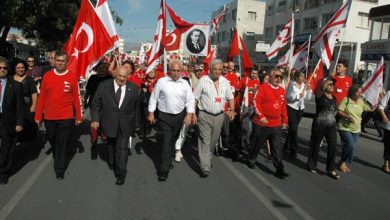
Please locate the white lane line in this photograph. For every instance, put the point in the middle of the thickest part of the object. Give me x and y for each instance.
(283, 196)
(256, 192)
(7, 209)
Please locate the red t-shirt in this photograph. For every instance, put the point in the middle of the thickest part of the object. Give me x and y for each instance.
(59, 98)
(341, 88)
(270, 103)
(252, 84)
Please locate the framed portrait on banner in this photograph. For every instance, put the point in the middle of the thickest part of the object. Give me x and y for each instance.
(196, 40)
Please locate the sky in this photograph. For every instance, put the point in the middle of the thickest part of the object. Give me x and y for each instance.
(140, 16)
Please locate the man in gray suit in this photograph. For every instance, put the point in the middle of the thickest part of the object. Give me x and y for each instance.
(115, 108)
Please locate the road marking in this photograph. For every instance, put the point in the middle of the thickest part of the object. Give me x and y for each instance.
(256, 192)
(7, 209)
(272, 187)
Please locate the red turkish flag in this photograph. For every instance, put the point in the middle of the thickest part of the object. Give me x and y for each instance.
(246, 59)
(88, 42)
(172, 40)
(317, 76)
(235, 47)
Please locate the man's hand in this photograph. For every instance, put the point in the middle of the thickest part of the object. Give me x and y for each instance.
(39, 123)
(188, 119)
(264, 121)
(18, 128)
(231, 115)
(79, 122)
(284, 126)
(194, 119)
(95, 125)
(151, 118)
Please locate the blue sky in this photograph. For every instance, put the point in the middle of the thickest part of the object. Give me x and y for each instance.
(140, 16)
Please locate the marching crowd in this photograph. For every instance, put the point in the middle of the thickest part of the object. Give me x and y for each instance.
(241, 113)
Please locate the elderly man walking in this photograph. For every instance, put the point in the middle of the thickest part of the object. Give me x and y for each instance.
(211, 94)
(172, 97)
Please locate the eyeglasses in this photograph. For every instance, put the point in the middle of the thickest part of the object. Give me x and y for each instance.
(278, 76)
(3, 67)
(330, 84)
(30, 61)
(225, 67)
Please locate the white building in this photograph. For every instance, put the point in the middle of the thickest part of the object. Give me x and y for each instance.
(378, 45)
(247, 16)
(312, 15)
(121, 43)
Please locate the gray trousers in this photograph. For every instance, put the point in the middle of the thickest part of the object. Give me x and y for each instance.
(209, 133)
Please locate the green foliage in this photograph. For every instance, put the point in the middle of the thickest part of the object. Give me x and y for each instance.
(50, 22)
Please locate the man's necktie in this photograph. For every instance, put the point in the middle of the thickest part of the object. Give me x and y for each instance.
(118, 94)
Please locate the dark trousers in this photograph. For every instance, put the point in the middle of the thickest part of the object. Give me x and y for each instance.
(294, 117)
(386, 142)
(118, 154)
(7, 149)
(318, 132)
(258, 137)
(170, 125)
(30, 128)
(57, 132)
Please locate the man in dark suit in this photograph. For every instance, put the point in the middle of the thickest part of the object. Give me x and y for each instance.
(115, 108)
(193, 41)
(11, 118)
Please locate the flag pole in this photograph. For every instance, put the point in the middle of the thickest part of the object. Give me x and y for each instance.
(308, 54)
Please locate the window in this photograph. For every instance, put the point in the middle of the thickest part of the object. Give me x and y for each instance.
(372, 1)
(250, 35)
(223, 36)
(326, 18)
(279, 28)
(282, 6)
(310, 23)
(234, 14)
(312, 4)
(252, 16)
(297, 26)
(363, 20)
(270, 9)
(269, 33)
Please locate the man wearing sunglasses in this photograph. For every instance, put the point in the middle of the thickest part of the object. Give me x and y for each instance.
(268, 121)
(11, 118)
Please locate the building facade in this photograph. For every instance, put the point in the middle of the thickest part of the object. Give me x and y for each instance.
(246, 16)
(311, 15)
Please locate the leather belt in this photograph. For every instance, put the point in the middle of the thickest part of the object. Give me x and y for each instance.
(212, 113)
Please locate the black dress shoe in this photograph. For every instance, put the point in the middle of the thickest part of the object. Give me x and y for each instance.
(60, 176)
(111, 166)
(204, 174)
(3, 181)
(171, 166)
(250, 165)
(94, 153)
(280, 173)
(120, 182)
(162, 176)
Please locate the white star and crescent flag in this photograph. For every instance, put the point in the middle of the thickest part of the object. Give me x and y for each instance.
(88, 42)
(284, 37)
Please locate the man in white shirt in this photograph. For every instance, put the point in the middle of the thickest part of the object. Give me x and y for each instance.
(211, 93)
(172, 97)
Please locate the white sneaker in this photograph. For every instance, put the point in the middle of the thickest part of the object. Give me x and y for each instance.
(178, 156)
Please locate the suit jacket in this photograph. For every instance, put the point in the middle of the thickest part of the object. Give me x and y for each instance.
(13, 107)
(112, 118)
(191, 47)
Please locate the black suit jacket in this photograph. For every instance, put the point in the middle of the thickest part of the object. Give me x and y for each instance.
(112, 118)
(191, 46)
(13, 107)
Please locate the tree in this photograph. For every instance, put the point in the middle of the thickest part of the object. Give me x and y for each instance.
(50, 22)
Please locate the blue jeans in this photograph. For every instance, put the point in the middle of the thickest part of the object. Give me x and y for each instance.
(349, 141)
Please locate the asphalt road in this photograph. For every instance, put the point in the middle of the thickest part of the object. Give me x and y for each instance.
(232, 191)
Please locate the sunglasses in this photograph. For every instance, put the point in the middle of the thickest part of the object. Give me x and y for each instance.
(330, 84)
(278, 76)
(30, 61)
(225, 67)
(3, 67)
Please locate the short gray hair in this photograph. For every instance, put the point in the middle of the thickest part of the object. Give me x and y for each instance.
(175, 61)
(215, 62)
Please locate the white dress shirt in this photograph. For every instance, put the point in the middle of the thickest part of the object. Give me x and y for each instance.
(209, 99)
(294, 99)
(116, 87)
(171, 96)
